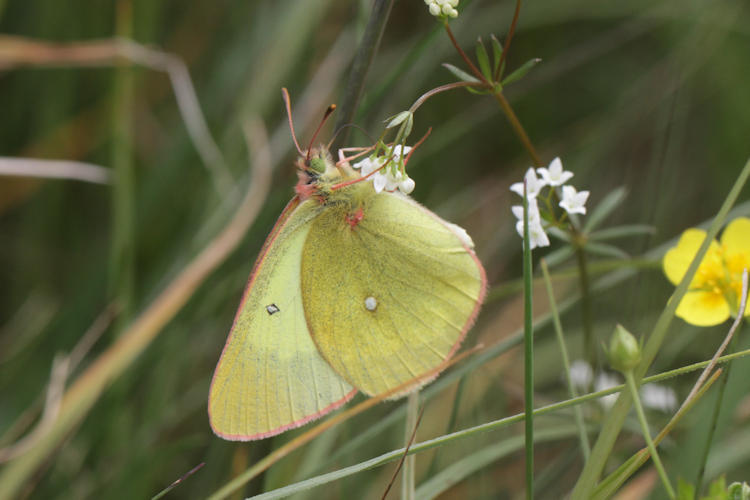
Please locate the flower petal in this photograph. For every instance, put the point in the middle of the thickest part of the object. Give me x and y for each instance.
(703, 308)
(677, 260)
(736, 241)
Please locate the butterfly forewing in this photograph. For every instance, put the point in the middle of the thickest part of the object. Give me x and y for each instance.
(388, 292)
(270, 376)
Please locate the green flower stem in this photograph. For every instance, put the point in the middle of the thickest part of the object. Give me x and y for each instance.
(582, 434)
(714, 422)
(633, 388)
(528, 353)
(589, 347)
(517, 127)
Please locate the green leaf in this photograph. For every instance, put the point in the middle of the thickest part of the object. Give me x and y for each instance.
(558, 256)
(605, 207)
(521, 72)
(497, 53)
(558, 233)
(685, 490)
(624, 231)
(606, 250)
(460, 74)
(717, 490)
(483, 59)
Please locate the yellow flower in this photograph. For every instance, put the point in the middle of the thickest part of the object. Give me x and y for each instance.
(714, 294)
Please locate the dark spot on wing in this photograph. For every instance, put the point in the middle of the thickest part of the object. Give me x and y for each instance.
(272, 309)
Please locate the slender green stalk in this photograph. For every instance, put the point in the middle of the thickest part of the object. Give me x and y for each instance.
(582, 434)
(589, 345)
(633, 388)
(122, 257)
(407, 479)
(714, 423)
(528, 352)
(616, 416)
(381, 9)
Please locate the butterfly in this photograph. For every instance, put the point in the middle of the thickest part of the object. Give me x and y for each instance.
(353, 290)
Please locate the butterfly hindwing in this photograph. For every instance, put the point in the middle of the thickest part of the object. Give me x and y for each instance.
(389, 291)
(271, 377)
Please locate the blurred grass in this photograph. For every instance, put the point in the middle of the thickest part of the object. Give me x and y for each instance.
(647, 96)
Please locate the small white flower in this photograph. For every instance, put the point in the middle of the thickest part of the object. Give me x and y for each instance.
(533, 185)
(581, 374)
(573, 202)
(443, 7)
(386, 181)
(368, 165)
(605, 381)
(555, 175)
(384, 178)
(407, 185)
(658, 397)
(534, 216)
(537, 236)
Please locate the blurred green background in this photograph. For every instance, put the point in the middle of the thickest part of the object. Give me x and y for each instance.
(650, 96)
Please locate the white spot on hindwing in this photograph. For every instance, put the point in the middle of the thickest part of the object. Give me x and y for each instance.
(370, 303)
(272, 309)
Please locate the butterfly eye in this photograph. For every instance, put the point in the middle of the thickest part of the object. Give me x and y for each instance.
(317, 164)
(370, 303)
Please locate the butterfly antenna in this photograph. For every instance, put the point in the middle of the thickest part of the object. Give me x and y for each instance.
(328, 113)
(288, 104)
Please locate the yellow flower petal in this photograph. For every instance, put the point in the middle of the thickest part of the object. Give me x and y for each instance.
(736, 243)
(677, 260)
(736, 236)
(703, 308)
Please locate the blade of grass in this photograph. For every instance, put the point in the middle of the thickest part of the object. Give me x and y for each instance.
(368, 47)
(122, 250)
(528, 352)
(413, 417)
(582, 434)
(463, 468)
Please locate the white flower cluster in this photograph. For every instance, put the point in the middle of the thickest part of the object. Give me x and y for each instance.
(653, 396)
(391, 177)
(443, 7)
(572, 201)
